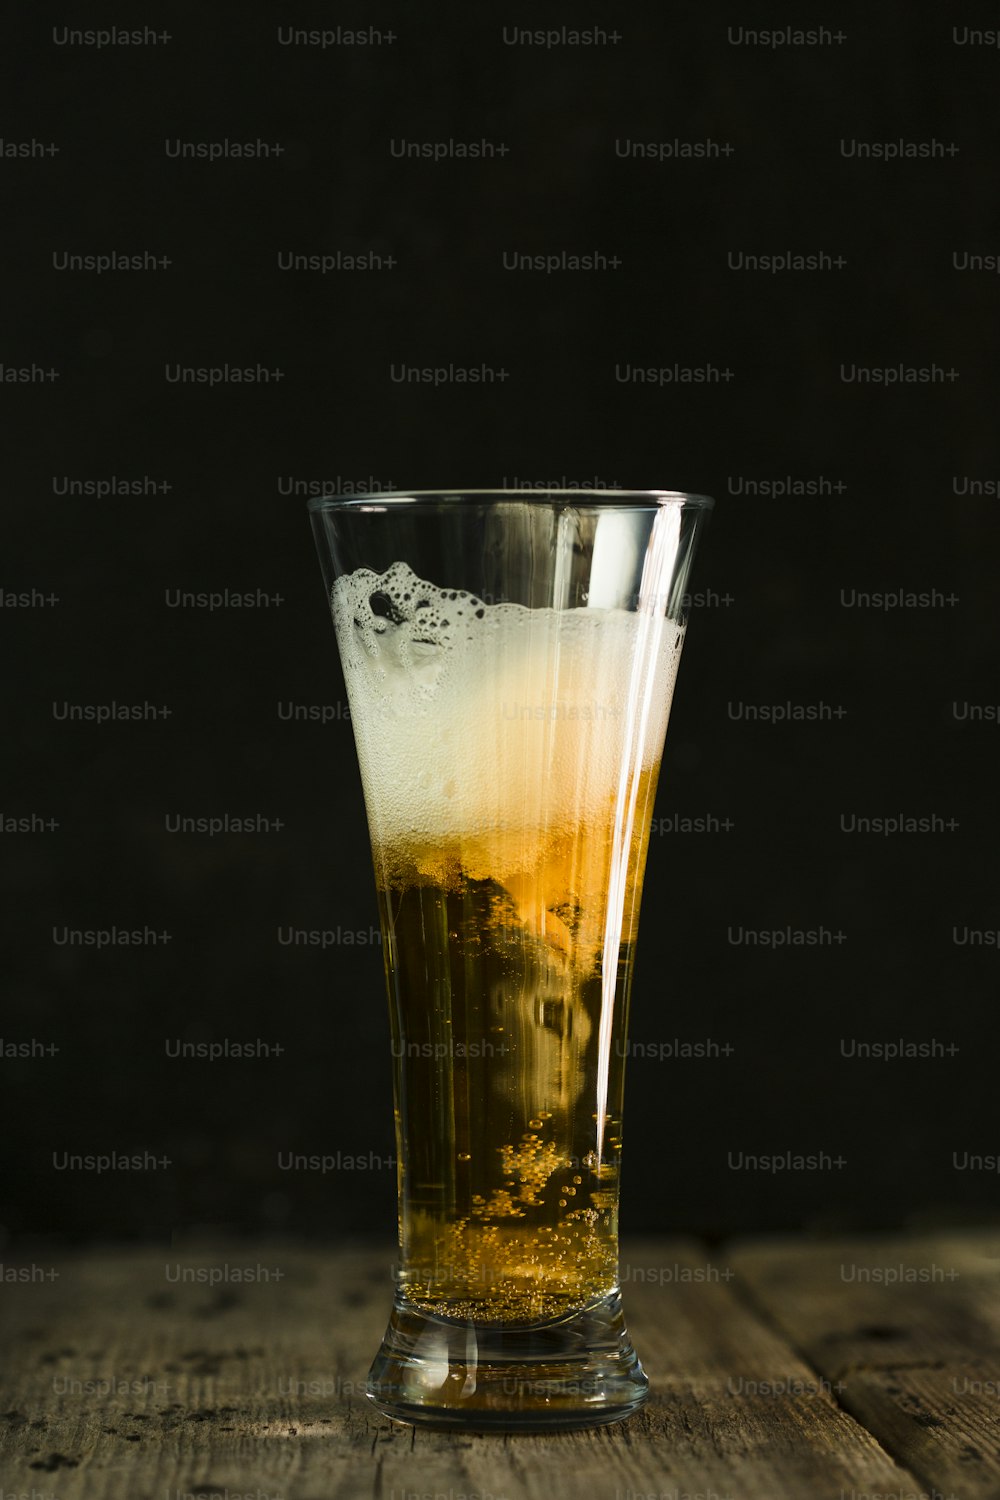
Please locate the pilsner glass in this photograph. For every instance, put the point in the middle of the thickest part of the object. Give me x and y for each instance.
(509, 659)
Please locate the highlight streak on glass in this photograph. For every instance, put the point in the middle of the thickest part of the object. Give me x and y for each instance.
(658, 566)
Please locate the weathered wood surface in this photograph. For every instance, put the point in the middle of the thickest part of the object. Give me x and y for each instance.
(909, 1330)
(120, 1380)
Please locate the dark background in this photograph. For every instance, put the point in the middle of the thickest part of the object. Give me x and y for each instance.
(897, 473)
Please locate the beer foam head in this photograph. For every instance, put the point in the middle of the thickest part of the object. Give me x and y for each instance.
(490, 724)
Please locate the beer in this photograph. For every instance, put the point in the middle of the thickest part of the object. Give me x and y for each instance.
(509, 759)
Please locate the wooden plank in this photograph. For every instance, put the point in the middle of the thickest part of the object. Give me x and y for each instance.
(256, 1386)
(909, 1329)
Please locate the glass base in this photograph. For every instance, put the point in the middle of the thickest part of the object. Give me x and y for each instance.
(577, 1371)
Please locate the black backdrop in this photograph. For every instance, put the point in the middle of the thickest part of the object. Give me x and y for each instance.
(671, 149)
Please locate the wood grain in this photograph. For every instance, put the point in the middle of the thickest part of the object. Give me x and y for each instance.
(121, 1380)
(910, 1332)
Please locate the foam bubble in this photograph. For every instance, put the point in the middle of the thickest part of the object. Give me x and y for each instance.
(488, 725)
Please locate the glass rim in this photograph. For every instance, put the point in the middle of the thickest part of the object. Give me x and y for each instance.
(612, 497)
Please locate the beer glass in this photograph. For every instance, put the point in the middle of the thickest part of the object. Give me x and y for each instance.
(509, 658)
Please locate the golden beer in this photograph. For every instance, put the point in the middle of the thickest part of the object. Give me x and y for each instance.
(509, 838)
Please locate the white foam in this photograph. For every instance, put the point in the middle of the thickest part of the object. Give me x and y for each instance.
(488, 724)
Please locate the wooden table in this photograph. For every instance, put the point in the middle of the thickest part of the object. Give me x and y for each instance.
(848, 1369)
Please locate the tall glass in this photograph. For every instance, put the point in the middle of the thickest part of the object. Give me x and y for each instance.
(509, 660)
